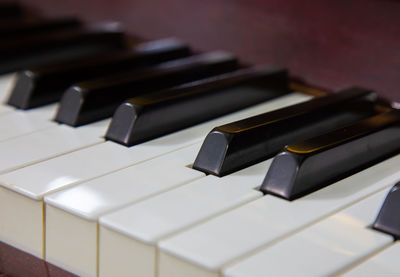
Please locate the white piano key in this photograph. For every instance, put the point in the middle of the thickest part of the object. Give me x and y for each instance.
(71, 215)
(19, 122)
(365, 211)
(6, 84)
(384, 263)
(324, 249)
(16, 213)
(205, 249)
(141, 225)
(39, 179)
(46, 144)
(98, 196)
(22, 217)
(4, 109)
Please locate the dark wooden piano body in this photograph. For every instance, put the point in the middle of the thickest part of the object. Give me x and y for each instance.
(330, 44)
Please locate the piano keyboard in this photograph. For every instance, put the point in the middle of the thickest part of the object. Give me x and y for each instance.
(94, 207)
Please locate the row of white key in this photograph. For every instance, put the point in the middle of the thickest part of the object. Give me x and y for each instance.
(136, 229)
(141, 226)
(327, 248)
(24, 188)
(105, 194)
(72, 214)
(207, 249)
(128, 237)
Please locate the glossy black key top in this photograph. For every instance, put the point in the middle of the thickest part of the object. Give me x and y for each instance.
(55, 46)
(149, 116)
(388, 219)
(317, 162)
(97, 99)
(46, 84)
(236, 145)
(31, 27)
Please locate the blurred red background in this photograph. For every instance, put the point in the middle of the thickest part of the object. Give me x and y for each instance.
(332, 44)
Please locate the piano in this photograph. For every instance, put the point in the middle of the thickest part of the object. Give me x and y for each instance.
(83, 195)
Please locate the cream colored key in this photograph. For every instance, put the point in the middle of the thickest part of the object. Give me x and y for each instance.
(384, 263)
(205, 249)
(140, 226)
(20, 122)
(323, 249)
(6, 84)
(71, 215)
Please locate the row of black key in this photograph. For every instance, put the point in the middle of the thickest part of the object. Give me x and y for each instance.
(94, 85)
(145, 117)
(321, 141)
(58, 45)
(42, 85)
(233, 146)
(97, 99)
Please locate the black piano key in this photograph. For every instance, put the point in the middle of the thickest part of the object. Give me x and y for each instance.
(236, 145)
(54, 46)
(97, 99)
(149, 116)
(388, 220)
(43, 85)
(31, 27)
(317, 162)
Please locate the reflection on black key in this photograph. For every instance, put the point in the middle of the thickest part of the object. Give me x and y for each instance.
(317, 162)
(46, 84)
(236, 145)
(388, 219)
(56, 46)
(30, 27)
(98, 99)
(149, 116)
